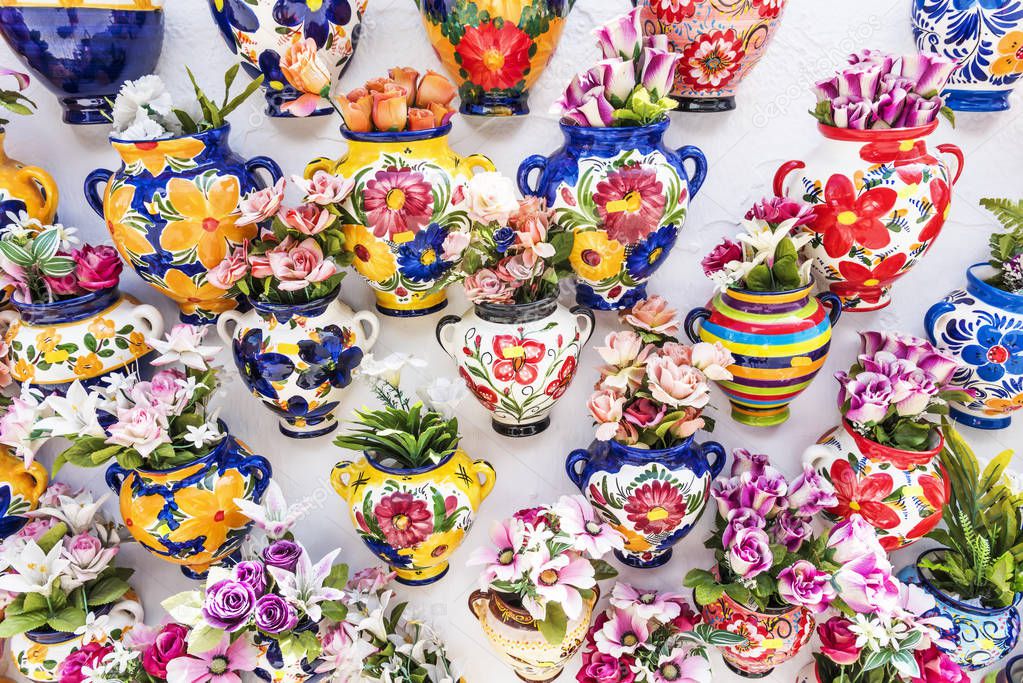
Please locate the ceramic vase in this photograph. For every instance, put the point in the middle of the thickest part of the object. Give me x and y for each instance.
(880, 198)
(20, 489)
(83, 338)
(171, 208)
(273, 666)
(980, 637)
(518, 360)
(27, 189)
(1012, 673)
(261, 31)
(720, 42)
(652, 497)
(85, 50)
(37, 655)
(187, 515)
(495, 50)
(808, 674)
(625, 195)
(516, 639)
(779, 340)
(414, 518)
(900, 493)
(773, 636)
(982, 327)
(298, 359)
(410, 190)
(984, 38)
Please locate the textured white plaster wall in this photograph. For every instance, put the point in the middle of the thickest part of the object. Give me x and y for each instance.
(744, 148)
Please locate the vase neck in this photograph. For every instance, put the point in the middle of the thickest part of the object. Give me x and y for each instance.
(614, 140)
(204, 145)
(510, 314)
(989, 294)
(285, 312)
(67, 310)
(766, 303)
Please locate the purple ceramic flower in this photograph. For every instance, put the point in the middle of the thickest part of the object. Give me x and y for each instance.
(852, 113)
(809, 493)
(284, 554)
(777, 210)
(852, 539)
(860, 81)
(749, 554)
(762, 493)
(919, 352)
(228, 604)
(621, 37)
(803, 585)
(866, 585)
(744, 461)
(726, 493)
(275, 615)
(869, 395)
(790, 530)
(741, 519)
(929, 72)
(658, 73)
(252, 573)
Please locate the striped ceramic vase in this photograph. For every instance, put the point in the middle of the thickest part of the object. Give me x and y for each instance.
(779, 340)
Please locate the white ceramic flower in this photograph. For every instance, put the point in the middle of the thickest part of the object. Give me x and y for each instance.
(95, 628)
(389, 369)
(18, 425)
(143, 99)
(443, 395)
(304, 588)
(273, 515)
(75, 414)
(203, 434)
(78, 512)
(491, 198)
(183, 344)
(33, 570)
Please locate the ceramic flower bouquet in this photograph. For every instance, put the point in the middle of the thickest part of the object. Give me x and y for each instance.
(539, 584)
(404, 101)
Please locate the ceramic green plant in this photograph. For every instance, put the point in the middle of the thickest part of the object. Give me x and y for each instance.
(1007, 246)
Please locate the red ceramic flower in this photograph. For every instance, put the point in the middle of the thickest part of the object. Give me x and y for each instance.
(631, 203)
(941, 198)
(559, 386)
(495, 58)
(712, 60)
(673, 11)
(655, 507)
(909, 157)
(862, 495)
(866, 283)
(405, 521)
(398, 200)
(485, 395)
(517, 359)
(769, 9)
(846, 219)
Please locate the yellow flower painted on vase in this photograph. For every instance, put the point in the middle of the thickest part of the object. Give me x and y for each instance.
(137, 343)
(24, 371)
(153, 155)
(48, 339)
(56, 356)
(212, 514)
(373, 257)
(192, 297)
(1011, 50)
(102, 328)
(209, 220)
(128, 240)
(88, 366)
(633, 541)
(142, 515)
(434, 549)
(37, 653)
(998, 406)
(594, 257)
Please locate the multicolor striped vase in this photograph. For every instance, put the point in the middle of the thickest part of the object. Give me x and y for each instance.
(779, 340)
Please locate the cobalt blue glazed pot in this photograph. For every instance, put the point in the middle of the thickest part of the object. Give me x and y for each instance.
(652, 497)
(981, 636)
(84, 51)
(625, 195)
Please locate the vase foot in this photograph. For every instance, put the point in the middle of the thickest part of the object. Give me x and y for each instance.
(309, 431)
(979, 422)
(86, 111)
(705, 105)
(639, 563)
(409, 578)
(736, 670)
(521, 431)
(977, 100)
(497, 106)
(412, 312)
(755, 417)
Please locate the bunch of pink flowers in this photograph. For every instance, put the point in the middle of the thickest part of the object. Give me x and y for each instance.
(651, 380)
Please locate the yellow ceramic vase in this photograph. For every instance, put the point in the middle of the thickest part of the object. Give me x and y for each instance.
(20, 489)
(410, 193)
(25, 188)
(414, 519)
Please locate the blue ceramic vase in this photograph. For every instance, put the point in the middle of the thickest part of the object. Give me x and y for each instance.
(981, 636)
(625, 195)
(652, 497)
(984, 37)
(86, 52)
(1012, 673)
(982, 327)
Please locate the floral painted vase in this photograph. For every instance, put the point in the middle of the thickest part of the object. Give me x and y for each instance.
(720, 42)
(410, 192)
(172, 209)
(982, 327)
(625, 195)
(980, 637)
(515, 637)
(84, 50)
(20, 489)
(298, 359)
(879, 198)
(273, 666)
(517, 360)
(38, 654)
(900, 493)
(261, 31)
(83, 338)
(414, 519)
(984, 37)
(495, 50)
(27, 189)
(652, 497)
(773, 637)
(779, 340)
(187, 515)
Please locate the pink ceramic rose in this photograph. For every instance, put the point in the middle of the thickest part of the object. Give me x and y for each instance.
(308, 219)
(644, 413)
(64, 286)
(749, 554)
(71, 670)
(677, 385)
(601, 668)
(937, 667)
(838, 642)
(867, 586)
(229, 271)
(454, 244)
(325, 188)
(97, 268)
(654, 315)
(803, 585)
(607, 408)
(299, 265)
(140, 427)
(621, 348)
(169, 644)
(262, 205)
(722, 254)
(484, 286)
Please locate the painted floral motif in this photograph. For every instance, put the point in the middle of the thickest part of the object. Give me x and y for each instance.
(712, 60)
(315, 18)
(557, 388)
(12, 509)
(630, 203)
(655, 508)
(496, 58)
(372, 257)
(772, 639)
(673, 11)
(397, 200)
(517, 359)
(420, 260)
(869, 284)
(845, 218)
(405, 521)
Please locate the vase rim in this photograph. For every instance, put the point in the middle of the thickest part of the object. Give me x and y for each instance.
(224, 129)
(525, 312)
(397, 136)
(979, 610)
(875, 134)
(781, 292)
(915, 456)
(988, 289)
(59, 305)
(275, 307)
(216, 451)
(653, 452)
(767, 612)
(422, 469)
(615, 131)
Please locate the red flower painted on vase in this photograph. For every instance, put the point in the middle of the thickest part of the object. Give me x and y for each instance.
(655, 507)
(845, 219)
(863, 495)
(712, 60)
(631, 203)
(909, 157)
(484, 395)
(673, 11)
(769, 9)
(936, 493)
(405, 521)
(495, 57)
(517, 359)
(868, 283)
(750, 627)
(941, 199)
(398, 200)
(559, 386)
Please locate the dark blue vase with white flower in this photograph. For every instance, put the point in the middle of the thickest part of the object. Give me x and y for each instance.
(985, 37)
(298, 359)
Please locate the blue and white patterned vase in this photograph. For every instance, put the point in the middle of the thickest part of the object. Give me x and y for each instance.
(981, 636)
(298, 359)
(261, 31)
(652, 497)
(982, 326)
(985, 37)
(626, 196)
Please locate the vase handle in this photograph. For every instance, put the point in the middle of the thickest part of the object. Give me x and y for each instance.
(262, 467)
(92, 183)
(536, 162)
(486, 470)
(342, 487)
(586, 321)
(9, 317)
(225, 319)
(782, 174)
(572, 466)
(370, 325)
(834, 304)
(320, 164)
(720, 456)
(266, 164)
(960, 159)
(47, 185)
(115, 476)
(40, 478)
(447, 323)
(151, 316)
(475, 598)
(815, 455)
(477, 161)
(694, 317)
(933, 317)
(696, 155)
